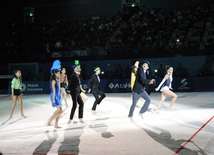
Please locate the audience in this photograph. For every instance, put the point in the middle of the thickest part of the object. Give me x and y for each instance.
(131, 31)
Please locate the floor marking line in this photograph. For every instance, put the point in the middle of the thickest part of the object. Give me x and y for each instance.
(192, 136)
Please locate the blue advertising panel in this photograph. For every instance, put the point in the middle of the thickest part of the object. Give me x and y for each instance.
(179, 84)
(33, 87)
(112, 85)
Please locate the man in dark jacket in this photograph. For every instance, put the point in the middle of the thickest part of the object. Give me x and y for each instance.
(139, 89)
(93, 86)
(74, 90)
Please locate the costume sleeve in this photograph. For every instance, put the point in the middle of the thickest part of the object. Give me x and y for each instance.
(70, 83)
(161, 83)
(13, 83)
(132, 82)
(90, 81)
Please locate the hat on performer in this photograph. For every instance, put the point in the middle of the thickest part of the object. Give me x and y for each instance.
(77, 63)
(146, 62)
(96, 68)
(75, 66)
(56, 66)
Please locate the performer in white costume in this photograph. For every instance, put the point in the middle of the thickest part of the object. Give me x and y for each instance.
(166, 87)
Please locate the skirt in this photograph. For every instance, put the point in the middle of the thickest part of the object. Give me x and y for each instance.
(57, 99)
(17, 92)
(62, 85)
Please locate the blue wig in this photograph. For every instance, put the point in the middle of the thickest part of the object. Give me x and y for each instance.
(56, 66)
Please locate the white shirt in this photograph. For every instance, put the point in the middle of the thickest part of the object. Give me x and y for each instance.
(98, 77)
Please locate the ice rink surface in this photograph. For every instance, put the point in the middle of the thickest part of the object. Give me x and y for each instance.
(188, 131)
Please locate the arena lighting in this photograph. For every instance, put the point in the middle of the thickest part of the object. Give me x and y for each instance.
(133, 5)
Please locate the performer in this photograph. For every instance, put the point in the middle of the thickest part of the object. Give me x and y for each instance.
(63, 82)
(74, 90)
(165, 86)
(139, 89)
(84, 97)
(93, 86)
(16, 86)
(55, 92)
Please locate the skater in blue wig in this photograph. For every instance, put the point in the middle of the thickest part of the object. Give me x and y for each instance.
(55, 92)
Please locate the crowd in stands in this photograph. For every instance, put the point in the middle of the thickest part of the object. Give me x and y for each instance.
(131, 31)
(159, 30)
(42, 39)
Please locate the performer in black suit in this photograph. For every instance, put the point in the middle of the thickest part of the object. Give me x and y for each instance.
(139, 89)
(149, 87)
(93, 86)
(74, 90)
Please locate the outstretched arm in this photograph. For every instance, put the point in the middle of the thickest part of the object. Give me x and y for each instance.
(162, 82)
(70, 83)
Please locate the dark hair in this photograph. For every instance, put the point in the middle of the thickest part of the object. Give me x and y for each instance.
(53, 76)
(74, 65)
(168, 66)
(133, 71)
(14, 75)
(146, 62)
(96, 68)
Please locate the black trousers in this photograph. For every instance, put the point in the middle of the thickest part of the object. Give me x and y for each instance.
(76, 98)
(98, 99)
(149, 89)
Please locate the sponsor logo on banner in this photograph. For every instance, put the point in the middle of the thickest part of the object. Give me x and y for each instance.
(184, 85)
(119, 85)
(84, 86)
(31, 87)
(23, 87)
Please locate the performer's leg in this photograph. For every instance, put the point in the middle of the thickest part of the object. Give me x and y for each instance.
(147, 102)
(135, 99)
(174, 97)
(84, 97)
(64, 96)
(102, 96)
(81, 106)
(163, 97)
(54, 115)
(95, 102)
(59, 109)
(13, 106)
(74, 99)
(20, 106)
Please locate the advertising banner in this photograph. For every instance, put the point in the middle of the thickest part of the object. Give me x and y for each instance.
(33, 87)
(179, 84)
